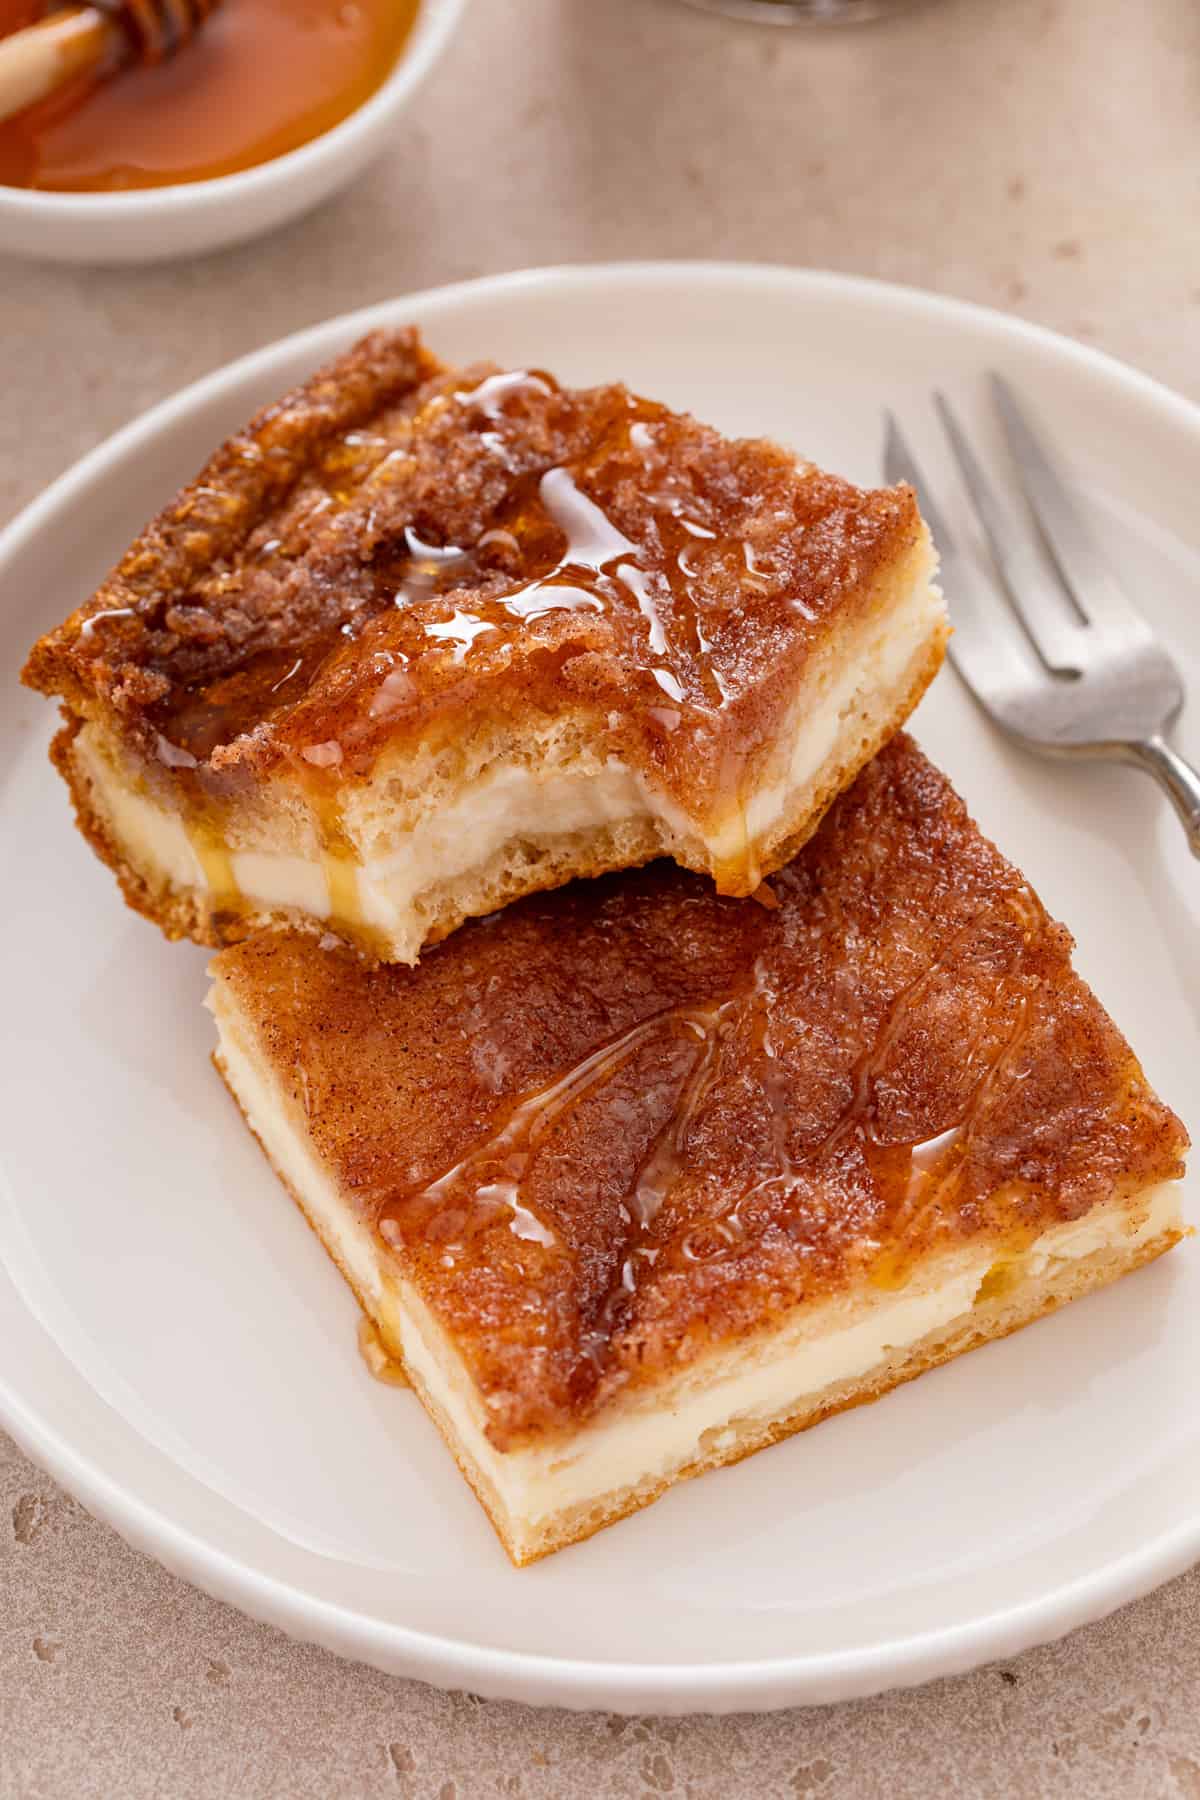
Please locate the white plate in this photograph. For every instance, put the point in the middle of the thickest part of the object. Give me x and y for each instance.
(178, 1351)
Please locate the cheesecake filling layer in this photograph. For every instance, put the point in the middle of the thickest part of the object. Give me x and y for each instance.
(512, 802)
(507, 803)
(653, 1438)
(659, 1432)
(865, 681)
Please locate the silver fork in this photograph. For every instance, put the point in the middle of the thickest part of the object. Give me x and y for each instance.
(1086, 676)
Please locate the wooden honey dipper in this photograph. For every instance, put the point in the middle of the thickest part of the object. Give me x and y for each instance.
(94, 40)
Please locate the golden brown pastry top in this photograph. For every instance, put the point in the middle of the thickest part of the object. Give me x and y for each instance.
(612, 1126)
(397, 543)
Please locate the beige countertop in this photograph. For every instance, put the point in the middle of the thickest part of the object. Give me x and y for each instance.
(1038, 155)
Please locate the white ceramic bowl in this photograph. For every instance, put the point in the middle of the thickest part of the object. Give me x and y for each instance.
(152, 224)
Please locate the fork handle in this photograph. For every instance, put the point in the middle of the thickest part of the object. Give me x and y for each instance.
(1178, 779)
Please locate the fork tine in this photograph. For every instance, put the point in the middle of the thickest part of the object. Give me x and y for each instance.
(1075, 553)
(1036, 596)
(900, 464)
(989, 654)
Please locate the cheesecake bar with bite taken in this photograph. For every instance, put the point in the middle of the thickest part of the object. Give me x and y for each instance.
(634, 1180)
(421, 640)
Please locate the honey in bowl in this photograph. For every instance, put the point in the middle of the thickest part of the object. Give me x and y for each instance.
(262, 77)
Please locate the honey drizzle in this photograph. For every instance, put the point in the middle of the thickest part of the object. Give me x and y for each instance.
(921, 1175)
(493, 1172)
(740, 873)
(932, 1168)
(661, 1167)
(339, 861)
(595, 561)
(341, 879)
(489, 1185)
(590, 567)
(596, 553)
(486, 1185)
(212, 853)
(379, 1360)
(1028, 911)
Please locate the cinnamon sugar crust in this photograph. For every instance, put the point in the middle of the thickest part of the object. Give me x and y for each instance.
(192, 599)
(385, 473)
(400, 553)
(616, 1127)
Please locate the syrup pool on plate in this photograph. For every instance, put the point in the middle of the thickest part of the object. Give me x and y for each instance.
(260, 79)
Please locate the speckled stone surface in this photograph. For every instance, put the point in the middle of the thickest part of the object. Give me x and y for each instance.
(1039, 155)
